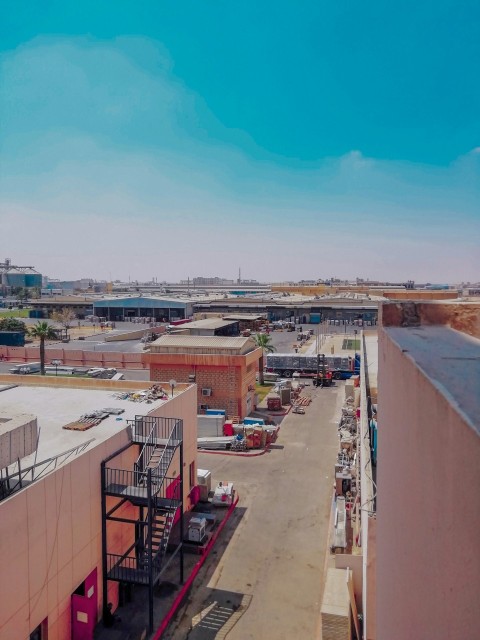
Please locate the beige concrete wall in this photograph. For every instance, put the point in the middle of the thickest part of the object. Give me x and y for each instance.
(80, 383)
(134, 335)
(428, 510)
(50, 532)
(74, 357)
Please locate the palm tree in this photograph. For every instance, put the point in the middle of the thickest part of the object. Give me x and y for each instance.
(43, 331)
(264, 341)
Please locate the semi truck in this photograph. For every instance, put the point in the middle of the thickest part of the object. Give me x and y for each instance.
(286, 364)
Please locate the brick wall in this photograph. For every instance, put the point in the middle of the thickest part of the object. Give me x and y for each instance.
(229, 385)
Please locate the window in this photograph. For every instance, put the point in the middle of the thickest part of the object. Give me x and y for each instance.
(41, 632)
(192, 474)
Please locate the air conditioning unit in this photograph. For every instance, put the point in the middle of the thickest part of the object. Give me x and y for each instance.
(206, 392)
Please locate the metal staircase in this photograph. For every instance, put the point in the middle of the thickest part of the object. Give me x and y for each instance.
(162, 523)
(154, 489)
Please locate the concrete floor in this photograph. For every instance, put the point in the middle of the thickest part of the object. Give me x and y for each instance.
(275, 547)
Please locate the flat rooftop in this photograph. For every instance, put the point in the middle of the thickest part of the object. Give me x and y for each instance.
(202, 344)
(450, 358)
(55, 407)
(244, 316)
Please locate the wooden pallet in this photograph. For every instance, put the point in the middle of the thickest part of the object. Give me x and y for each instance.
(82, 425)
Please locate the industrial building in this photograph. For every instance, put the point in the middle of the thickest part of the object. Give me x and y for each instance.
(223, 368)
(160, 309)
(428, 511)
(81, 305)
(14, 277)
(88, 504)
(304, 309)
(406, 474)
(271, 306)
(211, 327)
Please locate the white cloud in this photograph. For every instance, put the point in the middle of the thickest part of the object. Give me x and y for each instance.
(105, 171)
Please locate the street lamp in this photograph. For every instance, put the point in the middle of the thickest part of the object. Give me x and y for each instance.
(55, 364)
(173, 384)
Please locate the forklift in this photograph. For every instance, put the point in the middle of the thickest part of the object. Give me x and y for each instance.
(323, 377)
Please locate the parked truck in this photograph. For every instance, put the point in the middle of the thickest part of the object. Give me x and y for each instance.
(286, 364)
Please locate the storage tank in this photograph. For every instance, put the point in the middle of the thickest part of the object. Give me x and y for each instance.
(15, 278)
(33, 278)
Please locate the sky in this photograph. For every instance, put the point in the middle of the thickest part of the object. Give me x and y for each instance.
(296, 140)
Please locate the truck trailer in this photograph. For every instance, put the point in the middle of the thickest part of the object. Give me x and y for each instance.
(286, 364)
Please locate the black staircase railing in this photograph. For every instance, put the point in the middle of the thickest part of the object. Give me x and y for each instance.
(142, 428)
(158, 498)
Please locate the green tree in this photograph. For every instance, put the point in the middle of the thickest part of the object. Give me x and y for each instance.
(264, 341)
(43, 331)
(12, 324)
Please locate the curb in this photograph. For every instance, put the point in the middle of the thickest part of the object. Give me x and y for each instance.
(239, 454)
(232, 621)
(184, 590)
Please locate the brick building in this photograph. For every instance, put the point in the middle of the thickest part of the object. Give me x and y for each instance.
(223, 368)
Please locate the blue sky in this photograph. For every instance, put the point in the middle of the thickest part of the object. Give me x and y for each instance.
(296, 140)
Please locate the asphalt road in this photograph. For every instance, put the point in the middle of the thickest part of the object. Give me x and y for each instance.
(283, 341)
(275, 545)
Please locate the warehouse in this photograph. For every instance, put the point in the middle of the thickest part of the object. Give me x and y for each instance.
(211, 327)
(159, 309)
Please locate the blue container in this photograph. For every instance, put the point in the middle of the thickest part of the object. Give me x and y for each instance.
(253, 421)
(12, 338)
(215, 412)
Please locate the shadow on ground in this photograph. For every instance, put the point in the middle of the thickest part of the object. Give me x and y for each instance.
(131, 617)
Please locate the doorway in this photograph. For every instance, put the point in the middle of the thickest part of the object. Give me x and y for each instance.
(84, 606)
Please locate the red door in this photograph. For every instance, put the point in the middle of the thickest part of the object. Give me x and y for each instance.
(85, 609)
(173, 491)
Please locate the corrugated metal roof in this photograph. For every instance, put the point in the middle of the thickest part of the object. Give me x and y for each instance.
(208, 323)
(206, 342)
(244, 316)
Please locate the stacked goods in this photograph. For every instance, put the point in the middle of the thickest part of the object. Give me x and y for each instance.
(92, 419)
(241, 437)
(155, 392)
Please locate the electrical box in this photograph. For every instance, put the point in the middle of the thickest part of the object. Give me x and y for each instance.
(196, 529)
(204, 481)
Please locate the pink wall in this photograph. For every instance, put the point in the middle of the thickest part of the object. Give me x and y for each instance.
(50, 541)
(75, 357)
(428, 509)
(50, 533)
(185, 406)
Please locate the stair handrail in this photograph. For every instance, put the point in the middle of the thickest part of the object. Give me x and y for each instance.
(173, 441)
(150, 444)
